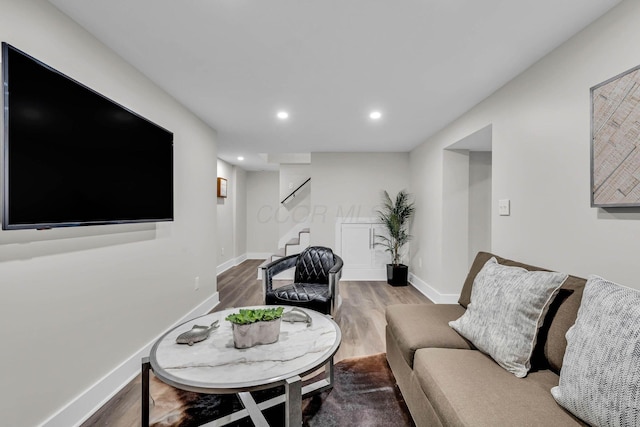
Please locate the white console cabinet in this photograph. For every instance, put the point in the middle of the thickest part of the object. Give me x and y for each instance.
(363, 260)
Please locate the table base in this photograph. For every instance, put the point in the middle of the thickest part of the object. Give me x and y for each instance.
(292, 398)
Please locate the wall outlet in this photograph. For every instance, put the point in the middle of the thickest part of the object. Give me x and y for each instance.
(196, 283)
(420, 262)
(504, 207)
(221, 251)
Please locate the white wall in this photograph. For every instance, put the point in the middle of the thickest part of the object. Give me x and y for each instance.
(479, 203)
(455, 217)
(296, 209)
(351, 185)
(541, 144)
(232, 217)
(77, 302)
(225, 216)
(240, 212)
(262, 209)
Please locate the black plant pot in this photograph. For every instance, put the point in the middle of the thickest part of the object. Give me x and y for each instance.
(397, 274)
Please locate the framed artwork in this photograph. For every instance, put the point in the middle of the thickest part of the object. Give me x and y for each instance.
(222, 187)
(615, 141)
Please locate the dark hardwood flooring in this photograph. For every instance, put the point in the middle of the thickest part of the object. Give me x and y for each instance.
(361, 320)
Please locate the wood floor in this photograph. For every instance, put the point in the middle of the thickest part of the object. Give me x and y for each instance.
(361, 320)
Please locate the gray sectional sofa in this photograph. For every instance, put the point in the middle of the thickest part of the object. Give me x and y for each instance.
(446, 381)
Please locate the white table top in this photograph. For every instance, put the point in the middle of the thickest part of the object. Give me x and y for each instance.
(216, 366)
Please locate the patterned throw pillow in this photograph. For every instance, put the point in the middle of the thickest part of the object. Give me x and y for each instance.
(600, 376)
(507, 308)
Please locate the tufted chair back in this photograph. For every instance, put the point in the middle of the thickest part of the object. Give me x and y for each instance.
(313, 265)
(317, 276)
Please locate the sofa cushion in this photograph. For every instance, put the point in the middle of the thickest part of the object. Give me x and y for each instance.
(560, 317)
(467, 388)
(415, 326)
(315, 296)
(508, 306)
(600, 379)
(479, 262)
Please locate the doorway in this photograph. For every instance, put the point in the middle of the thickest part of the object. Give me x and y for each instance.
(467, 202)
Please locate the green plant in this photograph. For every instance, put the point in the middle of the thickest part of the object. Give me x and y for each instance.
(395, 216)
(247, 315)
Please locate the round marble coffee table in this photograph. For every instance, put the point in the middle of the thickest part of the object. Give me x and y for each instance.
(215, 366)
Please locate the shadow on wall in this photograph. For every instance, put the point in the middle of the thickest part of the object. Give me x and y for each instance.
(632, 214)
(28, 244)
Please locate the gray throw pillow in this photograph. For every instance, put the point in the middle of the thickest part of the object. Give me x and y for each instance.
(507, 308)
(600, 376)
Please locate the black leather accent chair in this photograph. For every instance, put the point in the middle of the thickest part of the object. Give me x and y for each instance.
(315, 283)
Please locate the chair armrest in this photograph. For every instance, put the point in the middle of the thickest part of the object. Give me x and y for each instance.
(275, 267)
(335, 274)
(337, 267)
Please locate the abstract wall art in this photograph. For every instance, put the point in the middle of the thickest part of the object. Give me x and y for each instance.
(615, 141)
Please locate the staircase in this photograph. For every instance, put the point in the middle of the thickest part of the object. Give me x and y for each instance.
(293, 246)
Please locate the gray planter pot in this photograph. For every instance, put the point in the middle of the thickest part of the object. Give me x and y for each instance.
(245, 336)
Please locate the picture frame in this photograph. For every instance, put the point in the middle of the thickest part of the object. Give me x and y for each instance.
(222, 187)
(615, 141)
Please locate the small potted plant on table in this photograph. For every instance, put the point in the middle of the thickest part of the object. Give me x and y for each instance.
(255, 326)
(395, 217)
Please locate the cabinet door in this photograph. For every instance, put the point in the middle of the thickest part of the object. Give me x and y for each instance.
(357, 245)
(380, 255)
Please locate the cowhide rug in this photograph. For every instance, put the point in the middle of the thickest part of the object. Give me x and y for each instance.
(364, 394)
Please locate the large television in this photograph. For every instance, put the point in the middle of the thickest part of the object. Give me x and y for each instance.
(73, 157)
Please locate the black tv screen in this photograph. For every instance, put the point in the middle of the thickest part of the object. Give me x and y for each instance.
(73, 157)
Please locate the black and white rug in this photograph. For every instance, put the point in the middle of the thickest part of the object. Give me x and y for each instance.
(364, 394)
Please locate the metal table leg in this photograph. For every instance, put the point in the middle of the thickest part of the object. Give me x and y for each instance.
(293, 402)
(252, 408)
(145, 391)
(324, 384)
(292, 399)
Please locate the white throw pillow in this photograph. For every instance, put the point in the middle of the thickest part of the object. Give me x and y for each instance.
(507, 308)
(600, 375)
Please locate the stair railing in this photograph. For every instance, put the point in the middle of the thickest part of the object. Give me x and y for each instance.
(293, 193)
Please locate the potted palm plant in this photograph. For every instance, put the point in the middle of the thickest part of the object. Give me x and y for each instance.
(395, 216)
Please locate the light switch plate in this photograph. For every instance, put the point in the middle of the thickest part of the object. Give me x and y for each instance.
(504, 207)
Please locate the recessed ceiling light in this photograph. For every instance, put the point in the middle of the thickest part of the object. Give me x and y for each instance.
(375, 115)
(240, 158)
(283, 115)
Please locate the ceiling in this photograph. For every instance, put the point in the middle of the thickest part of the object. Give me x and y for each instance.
(421, 63)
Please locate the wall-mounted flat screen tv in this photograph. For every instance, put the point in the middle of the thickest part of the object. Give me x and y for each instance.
(73, 157)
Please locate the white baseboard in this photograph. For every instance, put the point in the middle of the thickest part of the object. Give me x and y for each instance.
(258, 255)
(231, 263)
(84, 405)
(431, 293)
